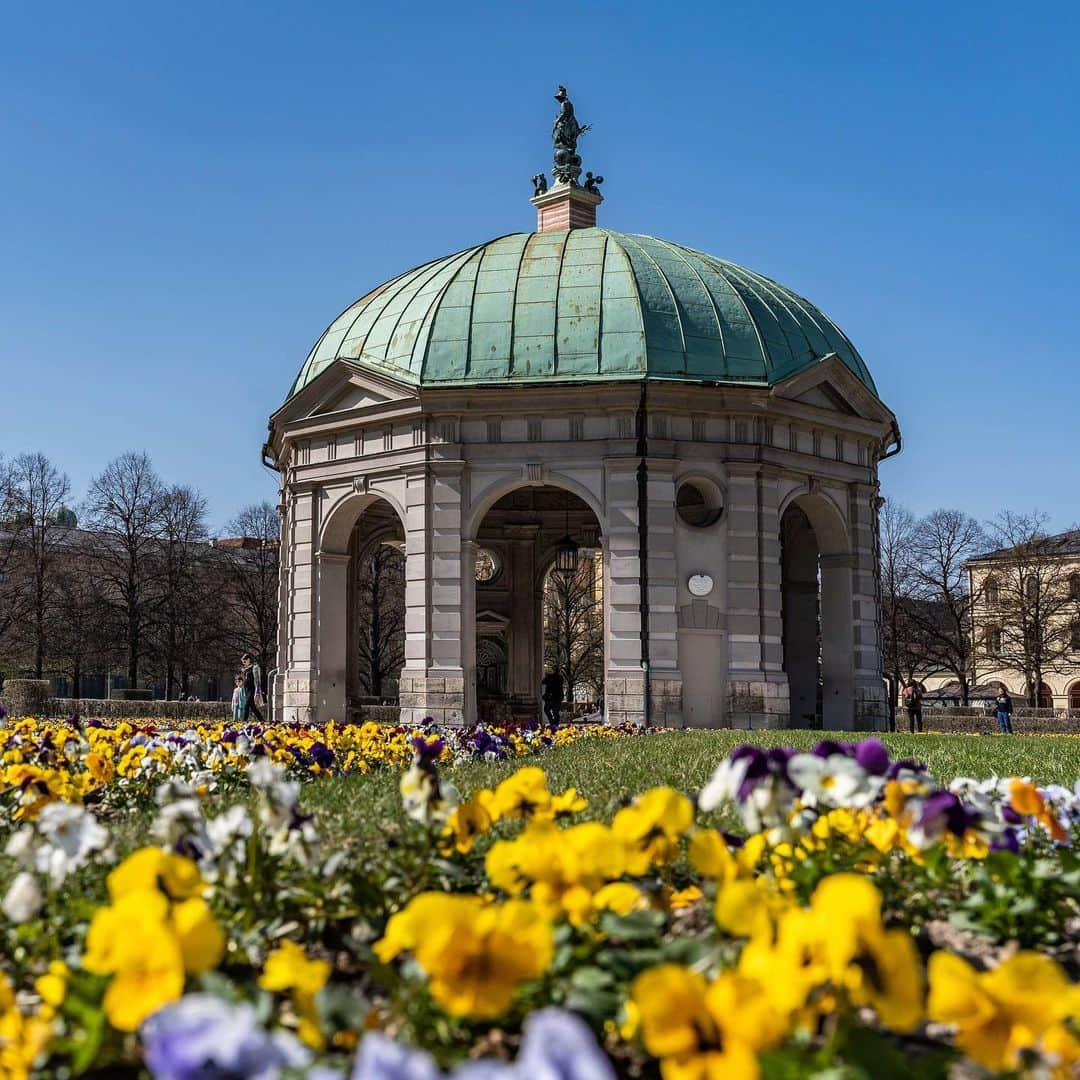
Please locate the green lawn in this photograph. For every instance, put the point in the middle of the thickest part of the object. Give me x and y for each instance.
(610, 771)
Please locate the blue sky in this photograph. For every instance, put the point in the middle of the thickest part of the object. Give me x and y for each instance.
(190, 193)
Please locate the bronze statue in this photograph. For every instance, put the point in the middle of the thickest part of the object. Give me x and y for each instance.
(564, 137)
(539, 182)
(592, 183)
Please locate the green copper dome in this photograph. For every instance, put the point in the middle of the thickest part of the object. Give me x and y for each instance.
(581, 306)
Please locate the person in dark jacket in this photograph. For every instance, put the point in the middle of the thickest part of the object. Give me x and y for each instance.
(1004, 706)
(552, 689)
(913, 695)
(253, 692)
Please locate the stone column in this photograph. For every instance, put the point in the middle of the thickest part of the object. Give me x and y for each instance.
(524, 617)
(837, 666)
(432, 681)
(871, 702)
(665, 690)
(800, 616)
(757, 684)
(296, 681)
(468, 629)
(332, 620)
(624, 679)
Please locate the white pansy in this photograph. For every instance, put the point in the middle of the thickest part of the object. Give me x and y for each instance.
(224, 830)
(723, 786)
(23, 899)
(70, 835)
(836, 781)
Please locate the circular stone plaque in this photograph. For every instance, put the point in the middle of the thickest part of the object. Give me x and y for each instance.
(699, 584)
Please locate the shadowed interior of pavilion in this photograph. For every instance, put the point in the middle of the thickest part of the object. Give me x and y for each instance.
(538, 579)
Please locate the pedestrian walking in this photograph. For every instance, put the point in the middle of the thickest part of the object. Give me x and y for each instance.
(253, 691)
(1004, 706)
(552, 693)
(913, 695)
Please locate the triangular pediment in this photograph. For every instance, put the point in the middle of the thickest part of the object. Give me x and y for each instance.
(825, 397)
(344, 389)
(831, 385)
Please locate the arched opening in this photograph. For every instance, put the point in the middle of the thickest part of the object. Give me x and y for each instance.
(1074, 697)
(1045, 697)
(816, 589)
(360, 607)
(537, 577)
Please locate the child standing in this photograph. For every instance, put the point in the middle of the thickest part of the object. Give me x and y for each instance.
(238, 698)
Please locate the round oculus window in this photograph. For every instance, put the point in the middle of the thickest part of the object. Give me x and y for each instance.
(697, 507)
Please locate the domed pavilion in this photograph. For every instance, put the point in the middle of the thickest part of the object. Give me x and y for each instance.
(702, 439)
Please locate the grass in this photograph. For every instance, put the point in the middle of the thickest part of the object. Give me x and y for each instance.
(611, 771)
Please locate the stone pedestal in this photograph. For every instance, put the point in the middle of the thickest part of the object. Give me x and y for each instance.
(438, 697)
(565, 207)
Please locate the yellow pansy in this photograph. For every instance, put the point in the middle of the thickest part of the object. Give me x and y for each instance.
(288, 968)
(154, 868)
(522, 795)
(202, 941)
(692, 1040)
(476, 955)
(469, 821)
(652, 826)
(998, 1014)
(711, 857)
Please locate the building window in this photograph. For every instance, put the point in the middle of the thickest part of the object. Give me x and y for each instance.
(1074, 636)
(1031, 587)
(992, 592)
(993, 642)
(487, 565)
(698, 504)
(1074, 586)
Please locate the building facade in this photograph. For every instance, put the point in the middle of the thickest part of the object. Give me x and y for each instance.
(1026, 615)
(710, 438)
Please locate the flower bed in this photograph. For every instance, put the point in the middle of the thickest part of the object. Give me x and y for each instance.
(803, 912)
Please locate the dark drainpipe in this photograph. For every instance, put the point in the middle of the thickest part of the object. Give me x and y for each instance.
(643, 539)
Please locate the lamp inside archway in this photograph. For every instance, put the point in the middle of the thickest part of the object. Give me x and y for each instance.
(566, 551)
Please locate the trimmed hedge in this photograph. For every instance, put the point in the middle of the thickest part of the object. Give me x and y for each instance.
(26, 697)
(116, 709)
(964, 720)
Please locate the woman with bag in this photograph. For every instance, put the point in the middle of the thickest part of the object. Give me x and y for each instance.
(253, 692)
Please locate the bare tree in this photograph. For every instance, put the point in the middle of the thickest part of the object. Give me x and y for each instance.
(40, 492)
(1034, 609)
(81, 641)
(181, 611)
(941, 616)
(573, 627)
(13, 595)
(895, 532)
(380, 615)
(254, 568)
(124, 506)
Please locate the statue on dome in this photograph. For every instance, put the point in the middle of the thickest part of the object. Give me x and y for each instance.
(592, 183)
(539, 183)
(564, 137)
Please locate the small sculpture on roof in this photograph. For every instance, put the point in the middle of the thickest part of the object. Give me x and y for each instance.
(540, 185)
(564, 138)
(592, 183)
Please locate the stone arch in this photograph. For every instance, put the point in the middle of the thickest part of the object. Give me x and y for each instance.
(340, 519)
(1074, 696)
(817, 610)
(828, 520)
(480, 506)
(335, 644)
(526, 520)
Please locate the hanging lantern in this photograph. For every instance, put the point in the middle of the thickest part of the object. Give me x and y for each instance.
(566, 556)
